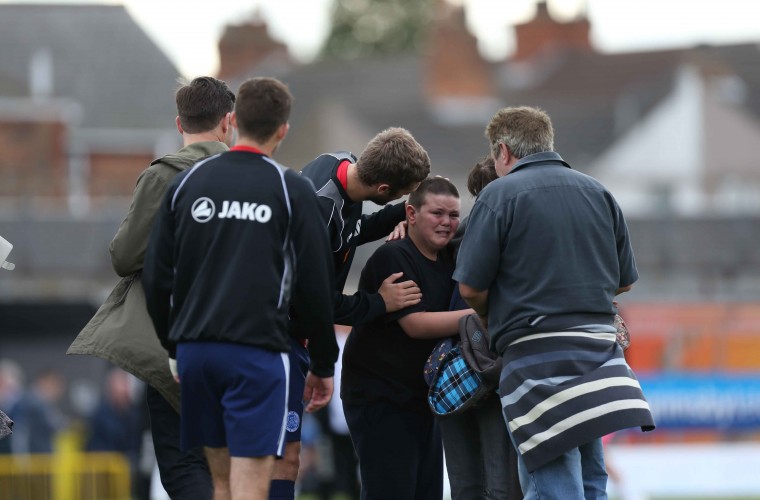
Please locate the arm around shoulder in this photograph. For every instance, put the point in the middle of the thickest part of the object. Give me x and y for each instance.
(379, 224)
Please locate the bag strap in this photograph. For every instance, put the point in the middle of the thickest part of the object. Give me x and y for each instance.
(474, 344)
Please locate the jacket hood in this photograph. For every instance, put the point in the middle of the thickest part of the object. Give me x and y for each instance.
(188, 156)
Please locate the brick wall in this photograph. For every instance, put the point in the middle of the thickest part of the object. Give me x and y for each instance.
(115, 175)
(33, 158)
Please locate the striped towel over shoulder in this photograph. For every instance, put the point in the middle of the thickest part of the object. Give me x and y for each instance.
(563, 389)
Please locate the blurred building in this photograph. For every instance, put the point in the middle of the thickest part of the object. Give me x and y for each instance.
(86, 101)
(671, 132)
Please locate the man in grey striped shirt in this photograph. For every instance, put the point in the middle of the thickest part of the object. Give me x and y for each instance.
(545, 253)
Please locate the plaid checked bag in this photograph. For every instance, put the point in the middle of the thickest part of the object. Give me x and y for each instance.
(454, 386)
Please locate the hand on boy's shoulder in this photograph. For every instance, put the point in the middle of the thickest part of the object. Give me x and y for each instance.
(401, 295)
(398, 233)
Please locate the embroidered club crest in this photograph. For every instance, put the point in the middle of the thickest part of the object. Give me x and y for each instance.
(293, 421)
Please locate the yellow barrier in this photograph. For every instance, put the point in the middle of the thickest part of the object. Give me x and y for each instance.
(65, 475)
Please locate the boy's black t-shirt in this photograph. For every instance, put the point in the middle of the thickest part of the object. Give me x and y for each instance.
(380, 360)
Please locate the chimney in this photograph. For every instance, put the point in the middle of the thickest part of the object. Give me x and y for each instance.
(245, 46)
(453, 65)
(458, 82)
(543, 34)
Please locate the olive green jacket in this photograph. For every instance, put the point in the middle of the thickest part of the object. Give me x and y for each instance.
(121, 331)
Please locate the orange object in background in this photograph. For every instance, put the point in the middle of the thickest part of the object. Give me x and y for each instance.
(695, 336)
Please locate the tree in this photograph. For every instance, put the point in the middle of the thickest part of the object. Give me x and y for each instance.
(363, 28)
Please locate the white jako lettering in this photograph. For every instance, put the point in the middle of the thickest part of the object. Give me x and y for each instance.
(234, 211)
(263, 213)
(248, 211)
(223, 211)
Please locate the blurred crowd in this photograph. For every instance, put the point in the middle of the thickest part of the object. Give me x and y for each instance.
(116, 422)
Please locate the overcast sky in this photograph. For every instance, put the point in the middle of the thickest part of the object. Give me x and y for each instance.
(188, 34)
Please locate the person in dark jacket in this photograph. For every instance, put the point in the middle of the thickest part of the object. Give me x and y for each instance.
(37, 414)
(545, 253)
(238, 240)
(116, 423)
(390, 167)
(121, 331)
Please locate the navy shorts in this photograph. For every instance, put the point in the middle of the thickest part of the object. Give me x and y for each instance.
(299, 367)
(234, 396)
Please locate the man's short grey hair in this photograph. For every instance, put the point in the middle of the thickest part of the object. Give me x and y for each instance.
(524, 130)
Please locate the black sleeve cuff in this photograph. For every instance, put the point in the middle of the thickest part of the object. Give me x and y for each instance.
(323, 370)
(377, 307)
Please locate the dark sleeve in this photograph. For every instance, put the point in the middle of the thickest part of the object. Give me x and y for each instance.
(386, 260)
(457, 303)
(381, 223)
(479, 253)
(629, 274)
(158, 271)
(361, 307)
(314, 280)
